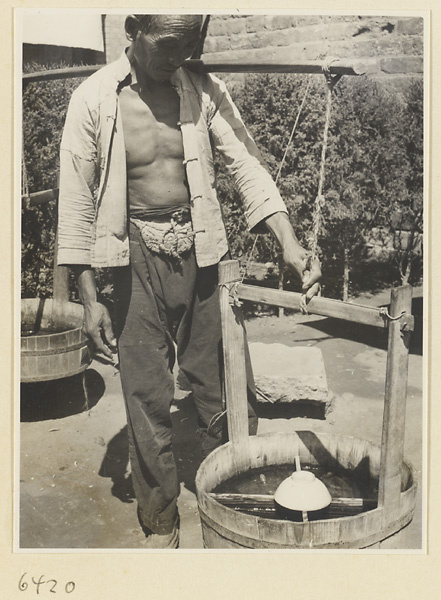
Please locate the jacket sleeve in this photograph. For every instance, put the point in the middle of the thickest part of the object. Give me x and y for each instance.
(242, 158)
(78, 175)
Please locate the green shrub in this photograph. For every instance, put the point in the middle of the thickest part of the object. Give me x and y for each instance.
(44, 110)
(373, 169)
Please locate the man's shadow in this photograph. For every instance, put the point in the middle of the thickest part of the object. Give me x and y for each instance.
(115, 466)
(186, 450)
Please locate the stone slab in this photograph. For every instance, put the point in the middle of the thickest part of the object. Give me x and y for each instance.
(288, 374)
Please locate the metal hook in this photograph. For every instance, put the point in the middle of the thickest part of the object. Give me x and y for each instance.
(331, 80)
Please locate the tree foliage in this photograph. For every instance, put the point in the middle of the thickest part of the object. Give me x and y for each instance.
(402, 215)
(373, 176)
(44, 111)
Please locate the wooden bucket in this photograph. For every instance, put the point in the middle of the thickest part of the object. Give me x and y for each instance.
(224, 527)
(60, 350)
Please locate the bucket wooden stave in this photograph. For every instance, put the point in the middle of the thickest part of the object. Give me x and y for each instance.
(223, 527)
(61, 351)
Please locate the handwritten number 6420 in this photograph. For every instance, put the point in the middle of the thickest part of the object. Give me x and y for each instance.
(23, 585)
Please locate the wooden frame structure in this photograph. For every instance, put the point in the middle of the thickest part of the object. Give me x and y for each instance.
(399, 323)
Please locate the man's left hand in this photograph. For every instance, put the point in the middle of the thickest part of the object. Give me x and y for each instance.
(296, 258)
(307, 270)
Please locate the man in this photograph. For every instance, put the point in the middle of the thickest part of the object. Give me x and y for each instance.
(137, 193)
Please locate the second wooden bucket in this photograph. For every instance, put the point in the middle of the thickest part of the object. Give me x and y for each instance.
(53, 345)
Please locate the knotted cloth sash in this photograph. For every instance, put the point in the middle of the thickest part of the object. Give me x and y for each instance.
(166, 231)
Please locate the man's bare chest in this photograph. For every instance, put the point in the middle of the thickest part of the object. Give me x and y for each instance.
(150, 125)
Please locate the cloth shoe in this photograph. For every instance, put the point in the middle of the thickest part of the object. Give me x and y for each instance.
(166, 541)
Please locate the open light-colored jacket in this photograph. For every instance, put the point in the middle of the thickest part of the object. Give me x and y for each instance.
(93, 205)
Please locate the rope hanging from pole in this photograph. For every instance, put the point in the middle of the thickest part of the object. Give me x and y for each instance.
(331, 82)
(293, 131)
(279, 171)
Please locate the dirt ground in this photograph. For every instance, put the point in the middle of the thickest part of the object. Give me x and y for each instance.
(75, 486)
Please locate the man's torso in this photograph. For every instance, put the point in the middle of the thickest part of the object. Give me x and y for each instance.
(154, 150)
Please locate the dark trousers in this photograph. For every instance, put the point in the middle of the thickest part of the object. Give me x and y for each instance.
(159, 303)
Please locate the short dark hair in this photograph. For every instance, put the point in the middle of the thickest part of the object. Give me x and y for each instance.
(148, 23)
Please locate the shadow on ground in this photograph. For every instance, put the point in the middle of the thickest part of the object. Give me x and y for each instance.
(115, 466)
(46, 400)
(306, 409)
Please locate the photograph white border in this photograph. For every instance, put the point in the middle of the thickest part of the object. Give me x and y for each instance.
(428, 292)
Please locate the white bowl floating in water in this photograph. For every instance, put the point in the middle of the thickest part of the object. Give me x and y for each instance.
(302, 491)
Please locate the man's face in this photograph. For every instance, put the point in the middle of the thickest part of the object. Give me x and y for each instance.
(172, 40)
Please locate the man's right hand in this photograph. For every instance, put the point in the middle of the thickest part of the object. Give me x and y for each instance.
(97, 326)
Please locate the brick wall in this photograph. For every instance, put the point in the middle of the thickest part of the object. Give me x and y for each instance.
(386, 46)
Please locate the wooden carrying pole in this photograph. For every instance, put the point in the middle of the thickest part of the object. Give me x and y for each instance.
(392, 444)
(233, 341)
(337, 67)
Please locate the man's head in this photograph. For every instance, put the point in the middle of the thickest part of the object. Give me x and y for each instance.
(161, 43)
